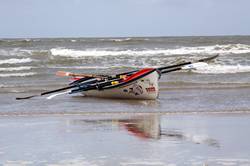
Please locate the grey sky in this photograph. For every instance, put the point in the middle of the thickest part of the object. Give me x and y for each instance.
(104, 18)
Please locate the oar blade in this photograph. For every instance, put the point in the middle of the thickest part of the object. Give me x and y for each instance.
(27, 97)
(63, 73)
(209, 58)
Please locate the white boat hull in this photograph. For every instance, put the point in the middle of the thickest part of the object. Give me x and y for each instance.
(143, 88)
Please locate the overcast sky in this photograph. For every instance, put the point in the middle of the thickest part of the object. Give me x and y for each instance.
(115, 18)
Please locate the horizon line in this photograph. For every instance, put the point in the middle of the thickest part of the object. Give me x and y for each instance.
(149, 36)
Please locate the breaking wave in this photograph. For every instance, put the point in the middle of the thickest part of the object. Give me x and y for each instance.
(15, 61)
(17, 74)
(222, 69)
(207, 50)
(16, 68)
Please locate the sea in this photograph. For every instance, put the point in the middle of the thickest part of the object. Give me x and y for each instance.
(200, 118)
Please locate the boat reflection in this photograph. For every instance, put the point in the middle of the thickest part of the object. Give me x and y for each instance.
(145, 127)
(141, 126)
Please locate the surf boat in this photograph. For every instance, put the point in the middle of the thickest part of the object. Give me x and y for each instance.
(137, 84)
(140, 85)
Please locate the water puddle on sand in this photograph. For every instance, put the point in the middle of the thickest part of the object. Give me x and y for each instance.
(125, 139)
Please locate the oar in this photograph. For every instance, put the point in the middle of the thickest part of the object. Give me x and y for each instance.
(186, 67)
(85, 80)
(63, 73)
(187, 63)
(47, 92)
(85, 77)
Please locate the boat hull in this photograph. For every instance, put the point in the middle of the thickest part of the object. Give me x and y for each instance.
(143, 88)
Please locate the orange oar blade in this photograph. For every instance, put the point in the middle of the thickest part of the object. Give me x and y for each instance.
(63, 73)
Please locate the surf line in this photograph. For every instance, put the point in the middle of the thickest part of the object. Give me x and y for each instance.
(173, 113)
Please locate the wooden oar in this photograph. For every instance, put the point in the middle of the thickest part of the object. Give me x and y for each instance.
(63, 73)
(83, 77)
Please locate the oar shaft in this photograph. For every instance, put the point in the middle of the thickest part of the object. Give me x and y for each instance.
(57, 90)
(173, 66)
(171, 70)
(45, 93)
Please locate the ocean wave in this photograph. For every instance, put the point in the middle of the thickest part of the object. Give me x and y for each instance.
(17, 74)
(14, 52)
(16, 42)
(222, 69)
(15, 61)
(206, 50)
(19, 52)
(16, 68)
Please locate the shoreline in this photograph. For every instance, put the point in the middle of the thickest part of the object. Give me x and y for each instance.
(85, 113)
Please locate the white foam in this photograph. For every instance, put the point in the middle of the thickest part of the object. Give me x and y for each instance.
(15, 61)
(222, 69)
(17, 74)
(16, 68)
(207, 50)
(15, 52)
(228, 161)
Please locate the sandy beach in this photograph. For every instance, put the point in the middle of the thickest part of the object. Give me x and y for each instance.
(176, 129)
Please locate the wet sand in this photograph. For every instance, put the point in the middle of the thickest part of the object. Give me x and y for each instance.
(125, 139)
(174, 99)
